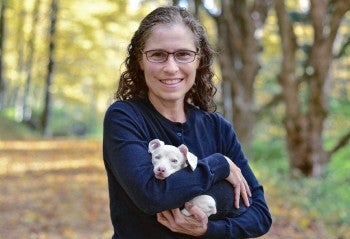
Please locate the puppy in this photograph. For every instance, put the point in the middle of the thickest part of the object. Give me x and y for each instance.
(168, 159)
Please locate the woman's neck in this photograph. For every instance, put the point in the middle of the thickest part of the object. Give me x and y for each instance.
(172, 110)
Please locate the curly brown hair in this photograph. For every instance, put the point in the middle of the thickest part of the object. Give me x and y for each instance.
(132, 84)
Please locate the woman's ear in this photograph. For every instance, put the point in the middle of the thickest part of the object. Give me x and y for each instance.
(198, 62)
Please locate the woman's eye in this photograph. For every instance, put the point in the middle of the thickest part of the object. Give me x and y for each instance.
(183, 54)
(158, 54)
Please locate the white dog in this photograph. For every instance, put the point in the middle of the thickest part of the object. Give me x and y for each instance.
(168, 159)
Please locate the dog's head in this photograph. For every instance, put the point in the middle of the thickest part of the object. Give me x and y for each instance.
(168, 159)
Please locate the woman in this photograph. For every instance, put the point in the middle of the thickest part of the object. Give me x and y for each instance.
(166, 92)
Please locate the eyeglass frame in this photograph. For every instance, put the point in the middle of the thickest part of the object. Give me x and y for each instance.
(170, 53)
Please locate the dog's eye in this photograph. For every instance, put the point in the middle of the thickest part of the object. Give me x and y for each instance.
(157, 157)
(174, 160)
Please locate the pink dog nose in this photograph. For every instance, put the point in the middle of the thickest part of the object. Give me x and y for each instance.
(161, 169)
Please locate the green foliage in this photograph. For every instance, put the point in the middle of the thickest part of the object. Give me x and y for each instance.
(269, 150)
(75, 121)
(11, 130)
(338, 121)
(301, 17)
(70, 121)
(317, 204)
(305, 202)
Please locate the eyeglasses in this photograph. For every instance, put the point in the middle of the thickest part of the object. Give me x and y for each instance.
(161, 56)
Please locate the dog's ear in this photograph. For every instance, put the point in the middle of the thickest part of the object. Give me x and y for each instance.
(154, 144)
(191, 159)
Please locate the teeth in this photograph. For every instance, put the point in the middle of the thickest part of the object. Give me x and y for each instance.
(170, 82)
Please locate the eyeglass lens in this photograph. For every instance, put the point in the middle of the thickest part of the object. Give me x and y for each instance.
(159, 56)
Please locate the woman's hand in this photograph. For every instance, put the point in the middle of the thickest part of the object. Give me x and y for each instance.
(239, 183)
(194, 225)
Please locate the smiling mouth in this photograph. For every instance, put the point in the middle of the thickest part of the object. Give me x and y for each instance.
(171, 81)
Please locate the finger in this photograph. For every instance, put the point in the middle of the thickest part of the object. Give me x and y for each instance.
(160, 217)
(167, 216)
(245, 196)
(197, 214)
(176, 212)
(195, 211)
(237, 195)
(245, 192)
(247, 188)
(162, 220)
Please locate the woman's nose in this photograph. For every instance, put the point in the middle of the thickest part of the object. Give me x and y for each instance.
(171, 64)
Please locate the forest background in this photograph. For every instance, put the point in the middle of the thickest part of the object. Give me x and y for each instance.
(282, 73)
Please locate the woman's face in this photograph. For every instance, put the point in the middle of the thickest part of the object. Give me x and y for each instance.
(168, 82)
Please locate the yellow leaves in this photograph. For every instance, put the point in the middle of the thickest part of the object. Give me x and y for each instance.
(304, 223)
(27, 156)
(304, 219)
(86, 10)
(90, 145)
(6, 166)
(53, 189)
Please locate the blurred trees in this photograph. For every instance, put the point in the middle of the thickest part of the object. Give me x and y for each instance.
(3, 6)
(24, 106)
(304, 122)
(285, 65)
(239, 49)
(238, 23)
(46, 114)
(86, 49)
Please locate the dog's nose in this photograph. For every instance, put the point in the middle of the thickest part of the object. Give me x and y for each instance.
(161, 169)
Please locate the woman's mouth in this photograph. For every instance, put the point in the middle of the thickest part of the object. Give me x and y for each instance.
(171, 81)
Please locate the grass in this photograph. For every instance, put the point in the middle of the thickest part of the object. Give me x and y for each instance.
(10, 130)
(305, 207)
(62, 124)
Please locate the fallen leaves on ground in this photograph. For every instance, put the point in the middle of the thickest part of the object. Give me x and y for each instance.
(57, 189)
(53, 189)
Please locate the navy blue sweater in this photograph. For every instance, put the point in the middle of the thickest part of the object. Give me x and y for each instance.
(136, 195)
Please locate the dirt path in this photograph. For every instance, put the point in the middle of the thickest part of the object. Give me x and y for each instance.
(58, 189)
(53, 189)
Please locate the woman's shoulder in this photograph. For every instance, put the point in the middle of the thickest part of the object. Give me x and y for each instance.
(126, 105)
(125, 108)
(214, 117)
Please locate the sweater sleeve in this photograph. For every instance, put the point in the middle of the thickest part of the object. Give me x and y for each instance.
(125, 149)
(256, 220)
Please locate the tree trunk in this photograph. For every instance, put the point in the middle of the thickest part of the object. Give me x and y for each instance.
(45, 118)
(238, 52)
(320, 61)
(2, 48)
(304, 129)
(27, 107)
(20, 43)
(295, 122)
